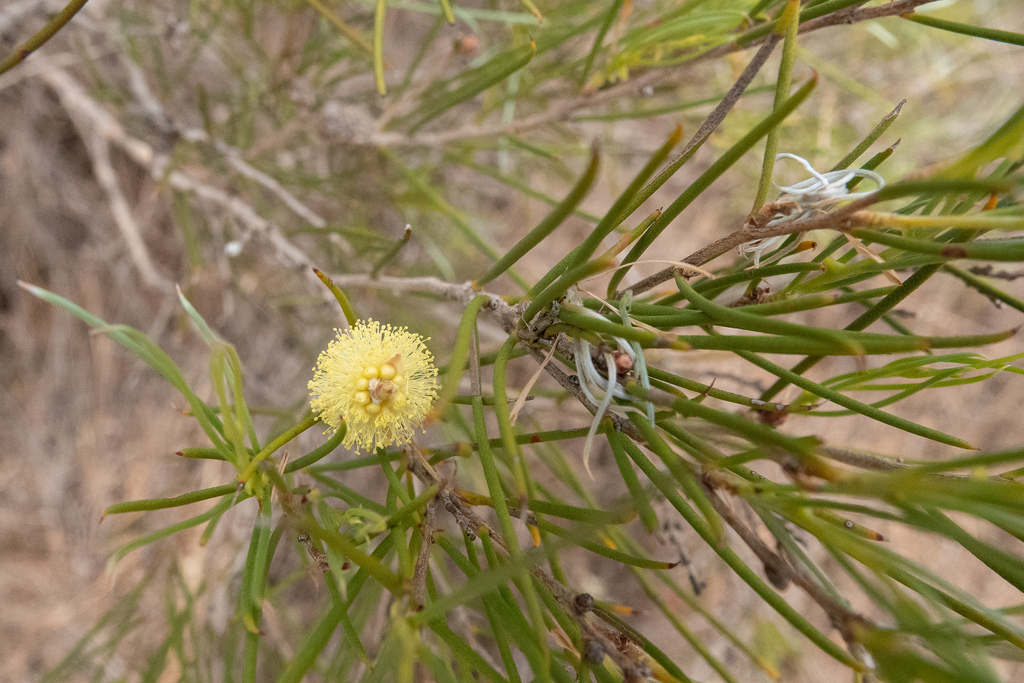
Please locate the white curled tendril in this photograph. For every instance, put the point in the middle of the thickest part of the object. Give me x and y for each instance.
(817, 194)
(600, 388)
(639, 362)
(609, 394)
(591, 379)
(758, 247)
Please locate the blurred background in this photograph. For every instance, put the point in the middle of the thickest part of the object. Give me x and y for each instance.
(225, 147)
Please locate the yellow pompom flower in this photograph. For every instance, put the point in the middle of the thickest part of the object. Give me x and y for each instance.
(380, 380)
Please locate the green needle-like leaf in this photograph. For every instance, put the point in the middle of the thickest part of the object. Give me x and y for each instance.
(966, 29)
(546, 226)
(472, 83)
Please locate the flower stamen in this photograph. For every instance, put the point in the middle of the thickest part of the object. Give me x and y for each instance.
(379, 380)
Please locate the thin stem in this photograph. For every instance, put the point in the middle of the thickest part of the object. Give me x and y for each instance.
(271, 447)
(55, 24)
(378, 46)
(787, 25)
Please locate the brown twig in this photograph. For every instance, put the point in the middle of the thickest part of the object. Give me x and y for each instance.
(80, 105)
(95, 134)
(617, 645)
(418, 592)
(853, 16)
(155, 112)
(780, 569)
(718, 114)
(989, 271)
(841, 219)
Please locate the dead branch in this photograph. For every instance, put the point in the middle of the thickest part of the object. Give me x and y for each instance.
(104, 125)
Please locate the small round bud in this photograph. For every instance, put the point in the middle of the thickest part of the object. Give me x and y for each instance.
(623, 362)
(593, 652)
(584, 602)
(467, 45)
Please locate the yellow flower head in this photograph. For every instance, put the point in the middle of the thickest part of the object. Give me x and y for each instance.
(379, 379)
